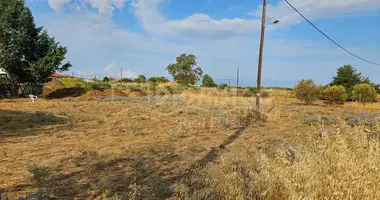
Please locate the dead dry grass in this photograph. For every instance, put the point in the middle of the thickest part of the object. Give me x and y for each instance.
(195, 145)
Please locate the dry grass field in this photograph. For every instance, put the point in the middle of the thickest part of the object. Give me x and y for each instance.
(194, 145)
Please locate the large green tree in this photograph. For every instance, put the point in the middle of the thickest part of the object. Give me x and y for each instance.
(27, 53)
(348, 77)
(185, 70)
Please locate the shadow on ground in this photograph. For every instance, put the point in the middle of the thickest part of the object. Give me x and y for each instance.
(16, 123)
(150, 174)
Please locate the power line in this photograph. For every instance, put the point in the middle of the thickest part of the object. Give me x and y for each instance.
(329, 37)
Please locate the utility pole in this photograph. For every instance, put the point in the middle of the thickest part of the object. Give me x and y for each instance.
(237, 82)
(121, 73)
(72, 75)
(263, 21)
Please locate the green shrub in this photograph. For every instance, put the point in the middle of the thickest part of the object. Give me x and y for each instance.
(153, 86)
(222, 86)
(161, 79)
(335, 94)
(306, 90)
(252, 92)
(106, 79)
(43, 178)
(140, 79)
(126, 80)
(364, 93)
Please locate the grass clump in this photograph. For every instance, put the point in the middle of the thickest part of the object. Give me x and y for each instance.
(76, 82)
(44, 180)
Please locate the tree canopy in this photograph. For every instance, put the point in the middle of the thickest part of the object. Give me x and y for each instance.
(27, 53)
(208, 81)
(185, 70)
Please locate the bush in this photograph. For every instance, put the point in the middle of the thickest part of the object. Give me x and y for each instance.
(335, 94)
(364, 93)
(222, 86)
(106, 79)
(252, 92)
(126, 80)
(306, 90)
(140, 79)
(161, 79)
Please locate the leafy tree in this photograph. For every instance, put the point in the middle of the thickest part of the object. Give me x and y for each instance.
(348, 77)
(106, 79)
(306, 90)
(27, 53)
(364, 93)
(140, 79)
(185, 70)
(161, 79)
(208, 81)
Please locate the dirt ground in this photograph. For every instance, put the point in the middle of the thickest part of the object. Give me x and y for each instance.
(155, 148)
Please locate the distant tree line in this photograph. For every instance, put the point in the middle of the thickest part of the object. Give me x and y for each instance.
(347, 85)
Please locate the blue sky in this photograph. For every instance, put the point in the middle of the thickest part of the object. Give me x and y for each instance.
(144, 36)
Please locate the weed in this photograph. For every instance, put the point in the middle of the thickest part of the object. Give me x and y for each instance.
(43, 179)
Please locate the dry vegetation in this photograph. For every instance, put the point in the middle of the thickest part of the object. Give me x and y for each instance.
(195, 145)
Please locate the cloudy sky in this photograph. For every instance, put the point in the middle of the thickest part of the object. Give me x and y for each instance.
(144, 36)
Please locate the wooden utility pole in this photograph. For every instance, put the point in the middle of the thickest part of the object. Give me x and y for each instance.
(263, 20)
(237, 82)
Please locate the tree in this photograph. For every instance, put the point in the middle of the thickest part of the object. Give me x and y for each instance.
(185, 70)
(208, 81)
(306, 90)
(161, 79)
(140, 79)
(348, 77)
(106, 79)
(27, 53)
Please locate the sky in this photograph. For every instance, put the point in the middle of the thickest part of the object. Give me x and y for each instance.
(144, 36)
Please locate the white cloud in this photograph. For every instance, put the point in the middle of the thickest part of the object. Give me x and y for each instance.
(102, 6)
(57, 5)
(109, 67)
(314, 9)
(199, 25)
